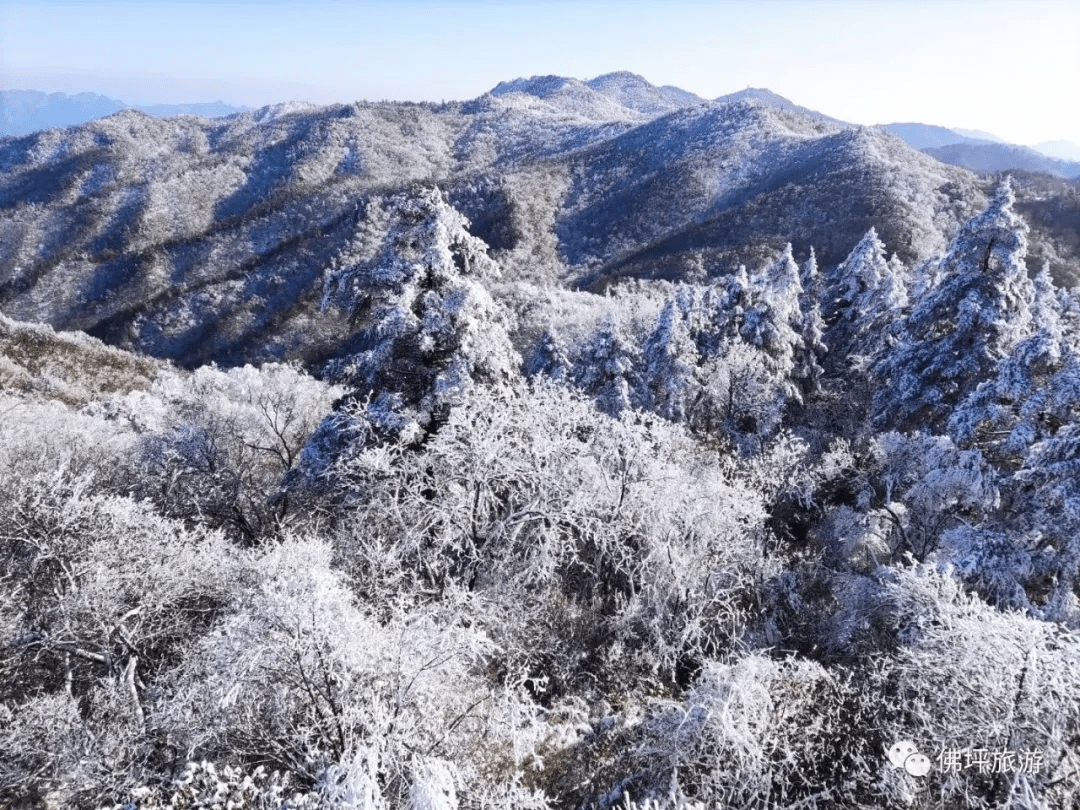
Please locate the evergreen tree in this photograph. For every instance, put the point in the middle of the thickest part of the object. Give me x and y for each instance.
(607, 366)
(811, 355)
(871, 292)
(670, 362)
(773, 321)
(963, 327)
(1014, 409)
(428, 329)
(549, 357)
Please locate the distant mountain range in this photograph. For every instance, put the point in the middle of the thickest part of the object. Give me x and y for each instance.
(210, 239)
(26, 111)
(988, 153)
(616, 96)
(1062, 150)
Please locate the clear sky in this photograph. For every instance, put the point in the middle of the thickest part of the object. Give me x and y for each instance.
(1010, 67)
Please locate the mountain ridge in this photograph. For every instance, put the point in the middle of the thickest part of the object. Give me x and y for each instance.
(199, 240)
(208, 239)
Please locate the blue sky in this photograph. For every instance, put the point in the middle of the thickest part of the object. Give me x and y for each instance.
(1011, 67)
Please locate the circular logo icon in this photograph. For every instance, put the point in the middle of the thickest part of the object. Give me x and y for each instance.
(917, 764)
(904, 754)
(901, 751)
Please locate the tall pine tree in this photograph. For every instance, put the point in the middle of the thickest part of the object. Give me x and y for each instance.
(965, 325)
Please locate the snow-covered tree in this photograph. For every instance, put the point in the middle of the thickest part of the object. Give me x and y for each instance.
(809, 358)
(429, 329)
(773, 321)
(962, 328)
(215, 444)
(871, 292)
(607, 366)
(1014, 408)
(549, 357)
(670, 361)
(411, 279)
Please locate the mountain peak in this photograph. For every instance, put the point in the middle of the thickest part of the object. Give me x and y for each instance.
(763, 95)
(539, 86)
(626, 90)
(619, 78)
(636, 93)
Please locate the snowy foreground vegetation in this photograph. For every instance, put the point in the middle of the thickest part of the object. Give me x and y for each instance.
(722, 536)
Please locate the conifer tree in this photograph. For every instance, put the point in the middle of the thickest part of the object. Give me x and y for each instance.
(549, 357)
(871, 293)
(428, 329)
(670, 362)
(606, 366)
(963, 327)
(773, 320)
(810, 357)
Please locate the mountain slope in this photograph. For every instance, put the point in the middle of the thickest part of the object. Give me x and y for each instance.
(1059, 150)
(924, 136)
(771, 99)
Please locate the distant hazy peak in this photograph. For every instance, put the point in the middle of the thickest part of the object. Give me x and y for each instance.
(26, 111)
(997, 157)
(1061, 150)
(928, 136)
(978, 135)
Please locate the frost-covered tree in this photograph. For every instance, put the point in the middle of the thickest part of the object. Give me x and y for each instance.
(99, 592)
(549, 357)
(411, 278)
(962, 328)
(871, 292)
(428, 328)
(810, 357)
(1021, 403)
(670, 361)
(607, 367)
(773, 321)
(214, 445)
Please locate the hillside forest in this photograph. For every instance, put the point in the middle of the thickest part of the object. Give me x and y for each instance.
(585, 445)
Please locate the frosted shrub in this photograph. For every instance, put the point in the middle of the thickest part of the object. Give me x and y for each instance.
(104, 592)
(624, 523)
(215, 445)
(202, 786)
(970, 677)
(751, 732)
(300, 675)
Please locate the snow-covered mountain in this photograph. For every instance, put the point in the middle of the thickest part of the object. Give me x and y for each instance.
(202, 239)
(209, 239)
(997, 157)
(983, 152)
(771, 99)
